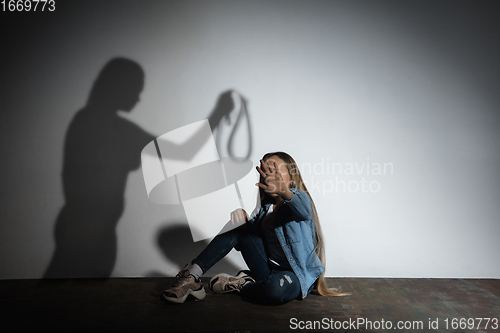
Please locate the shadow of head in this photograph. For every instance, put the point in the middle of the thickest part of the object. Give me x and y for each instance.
(118, 85)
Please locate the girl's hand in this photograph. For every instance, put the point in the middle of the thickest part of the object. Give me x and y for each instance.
(274, 183)
(239, 217)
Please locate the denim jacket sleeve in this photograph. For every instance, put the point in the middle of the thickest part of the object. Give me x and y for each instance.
(296, 233)
(300, 204)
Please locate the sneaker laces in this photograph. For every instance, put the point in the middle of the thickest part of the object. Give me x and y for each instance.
(180, 277)
(236, 284)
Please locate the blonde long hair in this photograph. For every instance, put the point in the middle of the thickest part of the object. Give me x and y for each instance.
(320, 287)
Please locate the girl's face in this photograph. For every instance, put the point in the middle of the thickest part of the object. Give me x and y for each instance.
(281, 168)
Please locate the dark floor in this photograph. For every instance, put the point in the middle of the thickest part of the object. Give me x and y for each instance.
(133, 305)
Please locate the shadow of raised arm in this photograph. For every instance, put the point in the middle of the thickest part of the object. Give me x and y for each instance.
(187, 150)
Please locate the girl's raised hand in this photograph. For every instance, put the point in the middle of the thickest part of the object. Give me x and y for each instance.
(274, 183)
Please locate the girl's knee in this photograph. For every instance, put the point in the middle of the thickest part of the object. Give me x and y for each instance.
(281, 289)
(242, 238)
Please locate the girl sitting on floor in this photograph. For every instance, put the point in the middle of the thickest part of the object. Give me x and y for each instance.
(282, 245)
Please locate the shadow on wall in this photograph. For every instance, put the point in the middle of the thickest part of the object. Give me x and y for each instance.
(100, 149)
(176, 243)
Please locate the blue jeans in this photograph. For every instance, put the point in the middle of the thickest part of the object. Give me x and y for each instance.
(272, 286)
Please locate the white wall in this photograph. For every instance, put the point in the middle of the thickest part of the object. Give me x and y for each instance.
(410, 84)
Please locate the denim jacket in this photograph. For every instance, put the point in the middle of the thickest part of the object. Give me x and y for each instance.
(294, 227)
